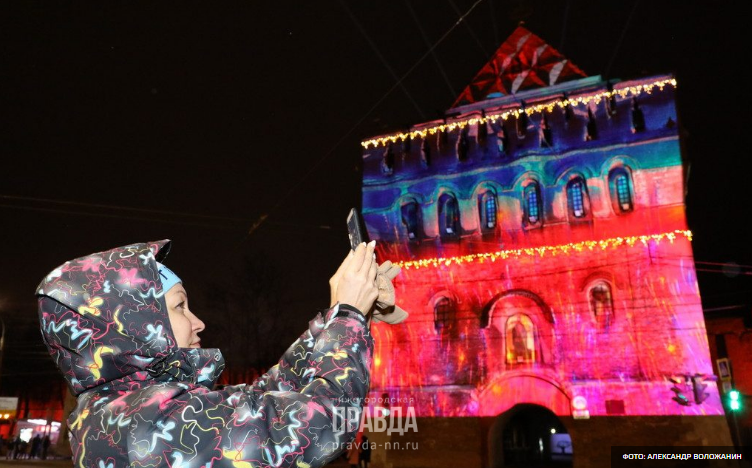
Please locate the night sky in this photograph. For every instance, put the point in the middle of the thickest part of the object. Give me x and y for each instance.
(135, 121)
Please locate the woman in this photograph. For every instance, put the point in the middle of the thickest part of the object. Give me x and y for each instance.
(119, 327)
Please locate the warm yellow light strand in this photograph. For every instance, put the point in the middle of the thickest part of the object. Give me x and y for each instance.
(553, 250)
(548, 107)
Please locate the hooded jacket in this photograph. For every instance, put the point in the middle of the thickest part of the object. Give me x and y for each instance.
(145, 402)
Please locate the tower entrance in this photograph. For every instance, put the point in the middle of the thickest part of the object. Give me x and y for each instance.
(531, 436)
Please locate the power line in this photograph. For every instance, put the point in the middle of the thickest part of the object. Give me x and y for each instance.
(705, 270)
(493, 23)
(383, 60)
(470, 30)
(118, 208)
(564, 22)
(126, 212)
(707, 267)
(357, 124)
(703, 262)
(621, 39)
(114, 216)
(428, 44)
(733, 307)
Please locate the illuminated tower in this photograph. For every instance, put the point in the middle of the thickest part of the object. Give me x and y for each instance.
(547, 267)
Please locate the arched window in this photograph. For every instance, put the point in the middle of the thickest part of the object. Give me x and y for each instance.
(533, 204)
(387, 161)
(449, 216)
(577, 197)
(411, 219)
(620, 186)
(487, 210)
(601, 303)
(520, 340)
(443, 313)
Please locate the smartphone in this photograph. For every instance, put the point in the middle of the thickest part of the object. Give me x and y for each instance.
(356, 229)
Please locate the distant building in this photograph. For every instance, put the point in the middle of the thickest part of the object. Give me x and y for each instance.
(38, 410)
(547, 267)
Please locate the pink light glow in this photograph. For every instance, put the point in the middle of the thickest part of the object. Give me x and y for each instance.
(465, 369)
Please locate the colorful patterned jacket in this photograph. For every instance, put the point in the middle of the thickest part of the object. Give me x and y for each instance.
(144, 402)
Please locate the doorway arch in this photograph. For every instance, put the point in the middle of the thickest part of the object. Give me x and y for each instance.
(529, 435)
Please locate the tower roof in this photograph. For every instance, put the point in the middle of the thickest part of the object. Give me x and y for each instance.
(524, 61)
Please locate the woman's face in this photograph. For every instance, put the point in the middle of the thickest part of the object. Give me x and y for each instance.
(185, 325)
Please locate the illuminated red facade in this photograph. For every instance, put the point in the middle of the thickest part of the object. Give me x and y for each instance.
(545, 251)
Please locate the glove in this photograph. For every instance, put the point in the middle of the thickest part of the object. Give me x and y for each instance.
(385, 310)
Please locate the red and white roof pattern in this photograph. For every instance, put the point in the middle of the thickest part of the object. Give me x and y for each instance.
(523, 61)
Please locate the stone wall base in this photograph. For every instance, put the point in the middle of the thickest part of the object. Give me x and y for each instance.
(465, 441)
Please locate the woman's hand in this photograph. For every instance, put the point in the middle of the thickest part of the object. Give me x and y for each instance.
(334, 280)
(354, 283)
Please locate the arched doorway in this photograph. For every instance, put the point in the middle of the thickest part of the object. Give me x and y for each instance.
(529, 436)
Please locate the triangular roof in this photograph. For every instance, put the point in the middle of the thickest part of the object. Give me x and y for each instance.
(524, 61)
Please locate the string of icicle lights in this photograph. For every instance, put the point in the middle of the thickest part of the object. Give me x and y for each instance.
(539, 108)
(553, 250)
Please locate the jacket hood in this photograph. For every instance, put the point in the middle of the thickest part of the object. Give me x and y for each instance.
(105, 323)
